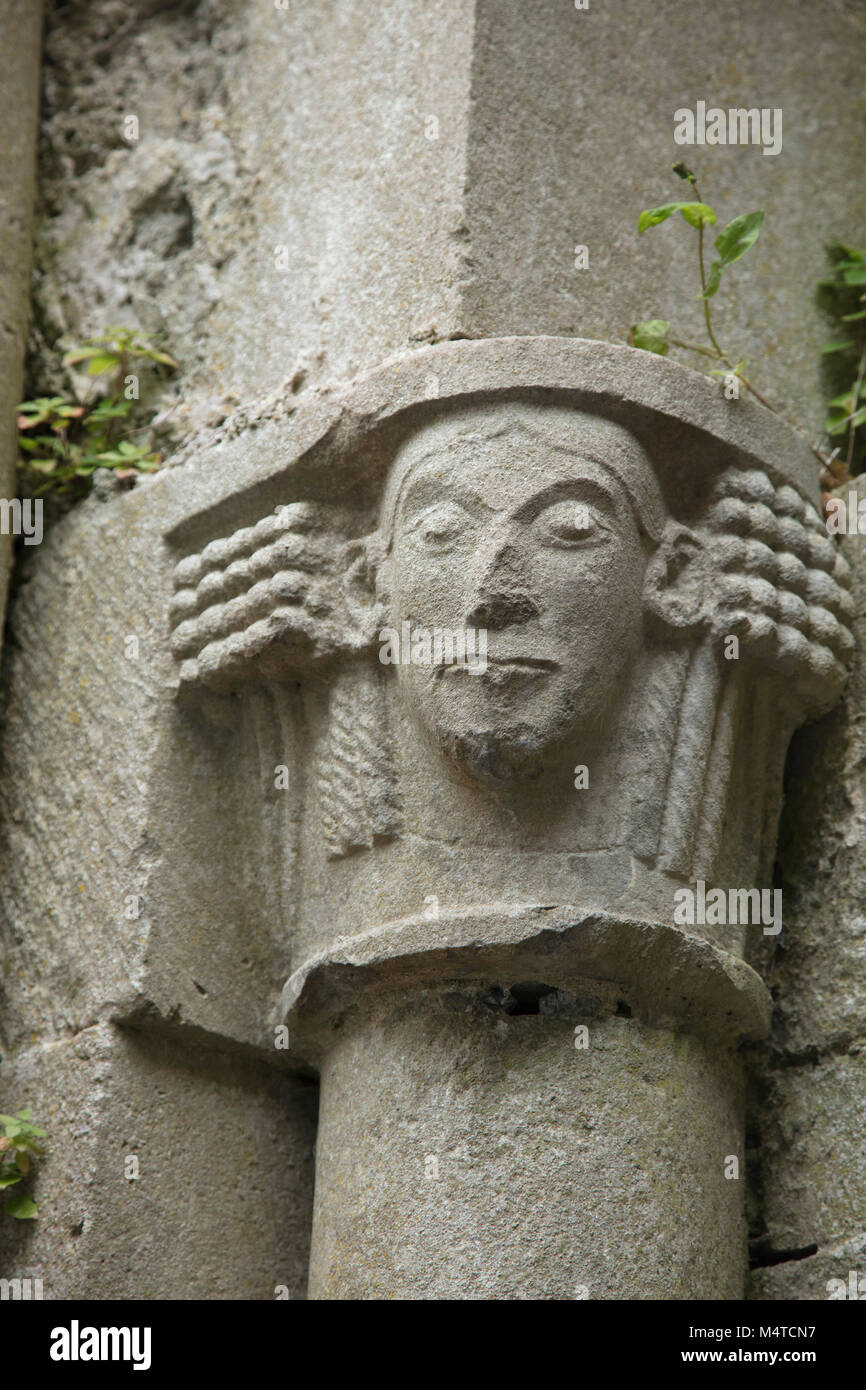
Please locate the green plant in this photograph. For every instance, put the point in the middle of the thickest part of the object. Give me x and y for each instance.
(63, 439)
(653, 335)
(843, 293)
(19, 1145)
(731, 244)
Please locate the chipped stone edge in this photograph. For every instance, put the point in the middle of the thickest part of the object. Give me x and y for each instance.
(670, 977)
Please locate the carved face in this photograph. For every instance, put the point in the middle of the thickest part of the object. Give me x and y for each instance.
(518, 520)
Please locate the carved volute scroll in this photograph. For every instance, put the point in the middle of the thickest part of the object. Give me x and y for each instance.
(662, 607)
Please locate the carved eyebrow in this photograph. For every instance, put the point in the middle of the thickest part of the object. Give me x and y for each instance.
(582, 489)
(427, 491)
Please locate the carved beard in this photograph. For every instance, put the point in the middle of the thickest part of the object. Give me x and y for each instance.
(500, 752)
(493, 759)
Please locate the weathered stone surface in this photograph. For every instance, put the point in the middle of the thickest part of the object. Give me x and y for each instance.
(115, 899)
(572, 136)
(429, 173)
(820, 974)
(467, 1153)
(812, 1148)
(236, 221)
(20, 35)
(224, 1147)
(811, 1278)
(811, 1119)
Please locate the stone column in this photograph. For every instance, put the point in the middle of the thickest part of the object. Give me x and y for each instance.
(519, 1026)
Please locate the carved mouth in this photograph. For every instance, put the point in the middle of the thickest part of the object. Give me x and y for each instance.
(524, 663)
(502, 666)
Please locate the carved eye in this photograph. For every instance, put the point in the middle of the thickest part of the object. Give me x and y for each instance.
(568, 524)
(441, 525)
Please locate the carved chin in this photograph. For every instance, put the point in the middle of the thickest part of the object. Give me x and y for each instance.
(494, 759)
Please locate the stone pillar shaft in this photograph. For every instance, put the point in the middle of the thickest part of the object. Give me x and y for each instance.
(464, 1152)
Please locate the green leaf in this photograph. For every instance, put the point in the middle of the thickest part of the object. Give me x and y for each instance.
(849, 318)
(104, 363)
(651, 335)
(8, 1179)
(694, 213)
(698, 214)
(859, 417)
(651, 217)
(843, 346)
(839, 250)
(96, 348)
(43, 411)
(112, 408)
(732, 243)
(736, 239)
(21, 1206)
(683, 172)
(844, 402)
(19, 1126)
(855, 275)
(162, 357)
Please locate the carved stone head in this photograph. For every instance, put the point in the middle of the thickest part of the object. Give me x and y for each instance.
(533, 524)
(656, 606)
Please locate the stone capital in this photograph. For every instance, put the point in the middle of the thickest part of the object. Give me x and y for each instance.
(660, 606)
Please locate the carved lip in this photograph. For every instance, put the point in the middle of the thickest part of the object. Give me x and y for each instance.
(540, 663)
(518, 665)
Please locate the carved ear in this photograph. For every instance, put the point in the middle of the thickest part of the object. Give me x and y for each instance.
(364, 611)
(678, 578)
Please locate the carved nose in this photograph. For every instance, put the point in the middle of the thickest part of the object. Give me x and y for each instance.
(504, 608)
(502, 600)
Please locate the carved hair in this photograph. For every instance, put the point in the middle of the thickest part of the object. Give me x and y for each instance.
(780, 587)
(783, 583)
